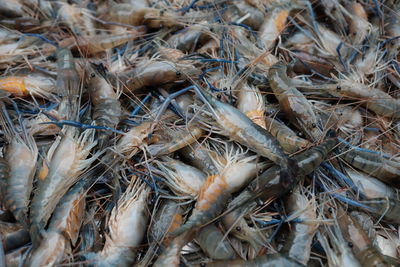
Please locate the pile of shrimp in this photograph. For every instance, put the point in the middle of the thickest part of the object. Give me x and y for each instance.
(199, 133)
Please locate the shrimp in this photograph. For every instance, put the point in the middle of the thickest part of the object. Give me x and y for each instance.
(77, 19)
(359, 25)
(274, 23)
(130, 143)
(136, 15)
(4, 176)
(384, 207)
(373, 99)
(293, 102)
(171, 255)
(288, 139)
(107, 108)
(168, 217)
(212, 242)
(180, 139)
(66, 160)
(298, 245)
(186, 39)
(130, 212)
(337, 251)
(371, 187)
(100, 43)
(13, 235)
(13, 8)
(270, 186)
(218, 188)
(250, 15)
(235, 223)
(153, 73)
(21, 156)
(266, 260)
(361, 245)
(67, 84)
(16, 257)
(29, 85)
(337, 13)
(240, 128)
(201, 157)
(251, 103)
(386, 170)
(64, 226)
(182, 179)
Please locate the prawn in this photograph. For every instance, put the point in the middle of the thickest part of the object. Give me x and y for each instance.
(29, 85)
(181, 178)
(107, 108)
(132, 211)
(64, 226)
(362, 246)
(218, 188)
(21, 156)
(293, 102)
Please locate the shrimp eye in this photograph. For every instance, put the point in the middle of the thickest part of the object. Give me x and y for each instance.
(225, 88)
(238, 228)
(330, 210)
(313, 125)
(92, 75)
(178, 73)
(350, 244)
(338, 87)
(202, 264)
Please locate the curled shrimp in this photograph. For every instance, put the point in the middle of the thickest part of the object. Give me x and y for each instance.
(120, 244)
(181, 178)
(21, 156)
(293, 102)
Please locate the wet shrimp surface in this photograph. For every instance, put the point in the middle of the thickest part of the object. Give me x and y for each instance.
(199, 133)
